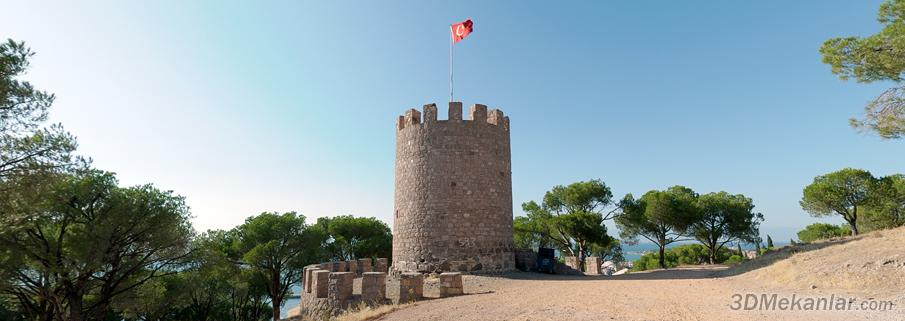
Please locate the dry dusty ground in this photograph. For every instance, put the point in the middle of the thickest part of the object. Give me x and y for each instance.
(678, 294)
(870, 268)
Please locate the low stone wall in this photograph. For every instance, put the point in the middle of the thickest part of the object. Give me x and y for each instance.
(327, 288)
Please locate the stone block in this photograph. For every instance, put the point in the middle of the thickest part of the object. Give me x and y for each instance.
(411, 287)
(412, 117)
(451, 284)
(364, 265)
(455, 111)
(592, 265)
(321, 278)
(339, 289)
(572, 262)
(339, 266)
(352, 266)
(382, 265)
(478, 113)
(430, 113)
(308, 278)
(495, 117)
(326, 266)
(373, 287)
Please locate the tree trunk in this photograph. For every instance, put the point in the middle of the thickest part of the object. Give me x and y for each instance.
(662, 259)
(853, 221)
(712, 255)
(275, 297)
(276, 310)
(581, 257)
(75, 307)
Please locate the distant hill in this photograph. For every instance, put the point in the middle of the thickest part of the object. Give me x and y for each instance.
(871, 263)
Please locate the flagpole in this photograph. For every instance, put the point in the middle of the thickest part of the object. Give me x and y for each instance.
(450, 64)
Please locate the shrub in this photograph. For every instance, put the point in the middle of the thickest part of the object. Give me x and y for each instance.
(822, 231)
(734, 259)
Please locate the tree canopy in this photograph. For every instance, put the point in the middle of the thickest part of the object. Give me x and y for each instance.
(886, 208)
(878, 57)
(725, 218)
(350, 238)
(842, 193)
(89, 241)
(822, 231)
(26, 146)
(662, 217)
(569, 218)
(277, 247)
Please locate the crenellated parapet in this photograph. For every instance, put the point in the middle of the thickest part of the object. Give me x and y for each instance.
(477, 115)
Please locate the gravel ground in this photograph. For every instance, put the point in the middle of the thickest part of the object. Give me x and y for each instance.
(676, 294)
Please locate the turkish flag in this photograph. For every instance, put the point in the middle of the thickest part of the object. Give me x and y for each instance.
(461, 30)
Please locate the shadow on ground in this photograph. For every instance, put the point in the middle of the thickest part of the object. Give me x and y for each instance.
(689, 272)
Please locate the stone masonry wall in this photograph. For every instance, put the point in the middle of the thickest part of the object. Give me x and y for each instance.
(453, 196)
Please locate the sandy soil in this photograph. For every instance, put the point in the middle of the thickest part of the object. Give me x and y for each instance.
(866, 274)
(700, 293)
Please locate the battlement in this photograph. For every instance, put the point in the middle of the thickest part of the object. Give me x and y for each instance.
(477, 114)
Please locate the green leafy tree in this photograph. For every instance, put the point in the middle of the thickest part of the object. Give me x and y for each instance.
(662, 217)
(351, 238)
(571, 217)
(840, 193)
(26, 146)
(887, 206)
(213, 287)
(277, 247)
(725, 218)
(769, 242)
(609, 252)
(822, 231)
(90, 242)
(526, 234)
(31, 154)
(878, 57)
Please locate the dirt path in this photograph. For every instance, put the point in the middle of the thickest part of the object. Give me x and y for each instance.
(679, 294)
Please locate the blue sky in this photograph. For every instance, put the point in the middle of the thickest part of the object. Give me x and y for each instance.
(276, 106)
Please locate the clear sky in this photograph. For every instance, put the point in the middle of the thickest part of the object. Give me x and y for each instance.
(245, 107)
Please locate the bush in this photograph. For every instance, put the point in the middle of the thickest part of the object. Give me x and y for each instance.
(734, 259)
(689, 254)
(822, 231)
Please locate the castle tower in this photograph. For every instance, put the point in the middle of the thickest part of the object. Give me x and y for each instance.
(453, 199)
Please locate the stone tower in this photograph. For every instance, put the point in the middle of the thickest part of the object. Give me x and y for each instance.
(453, 200)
